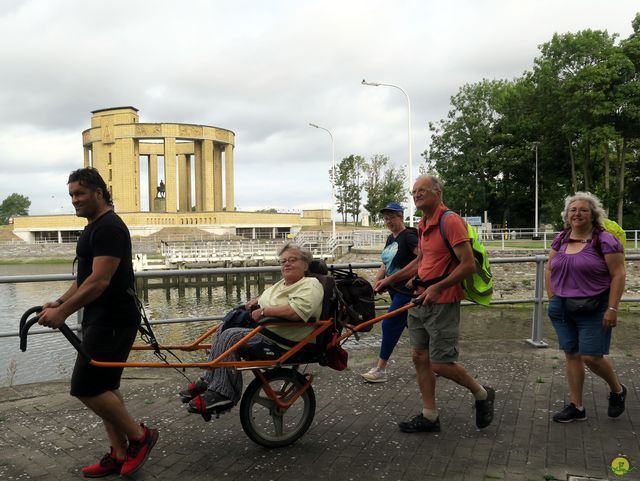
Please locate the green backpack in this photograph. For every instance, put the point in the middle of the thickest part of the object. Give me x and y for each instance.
(613, 228)
(478, 287)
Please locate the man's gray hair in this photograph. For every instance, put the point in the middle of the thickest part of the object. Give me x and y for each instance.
(597, 212)
(436, 183)
(305, 254)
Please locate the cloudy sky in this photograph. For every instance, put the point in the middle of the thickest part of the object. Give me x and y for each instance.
(263, 70)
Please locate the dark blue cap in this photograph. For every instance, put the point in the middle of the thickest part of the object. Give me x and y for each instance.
(392, 206)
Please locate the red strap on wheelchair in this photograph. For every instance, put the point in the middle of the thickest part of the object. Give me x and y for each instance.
(199, 404)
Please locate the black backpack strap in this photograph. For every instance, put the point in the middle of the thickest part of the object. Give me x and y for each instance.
(428, 282)
(443, 216)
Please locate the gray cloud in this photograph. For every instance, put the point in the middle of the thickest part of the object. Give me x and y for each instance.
(263, 70)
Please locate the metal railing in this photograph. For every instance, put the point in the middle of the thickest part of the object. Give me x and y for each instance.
(537, 300)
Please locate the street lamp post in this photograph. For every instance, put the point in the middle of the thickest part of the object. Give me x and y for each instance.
(410, 163)
(333, 174)
(536, 196)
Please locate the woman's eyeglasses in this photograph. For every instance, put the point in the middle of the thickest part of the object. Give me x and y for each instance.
(290, 260)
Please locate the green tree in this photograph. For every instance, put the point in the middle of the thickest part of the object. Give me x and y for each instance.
(561, 70)
(627, 124)
(14, 205)
(374, 172)
(580, 105)
(348, 178)
(589, 86)
(462, 151)
(383, 184)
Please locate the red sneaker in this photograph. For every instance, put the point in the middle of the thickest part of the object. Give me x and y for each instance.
(109, 464)
(138, 451)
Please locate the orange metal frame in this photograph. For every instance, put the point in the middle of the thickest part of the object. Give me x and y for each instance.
(255, 365)
(320, 327)
(286, 390)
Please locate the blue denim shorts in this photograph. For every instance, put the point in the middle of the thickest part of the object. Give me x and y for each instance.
(580, 332)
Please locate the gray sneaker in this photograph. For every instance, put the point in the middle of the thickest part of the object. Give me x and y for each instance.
(375, 375)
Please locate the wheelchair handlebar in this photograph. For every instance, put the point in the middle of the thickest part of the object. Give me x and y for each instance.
(25, 325)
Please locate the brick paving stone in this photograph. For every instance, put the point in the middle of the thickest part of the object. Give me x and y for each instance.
(45, 434)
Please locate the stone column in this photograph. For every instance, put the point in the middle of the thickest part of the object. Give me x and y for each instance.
(123, 176)
(152, 184)
(87, 157)
(188, 160)
(217, 177)
(136, 175)
(228, 177)
(197, 145)
(183, 182)
(207, 174)
(170, 173)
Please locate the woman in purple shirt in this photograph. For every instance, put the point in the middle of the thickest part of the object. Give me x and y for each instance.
(585, 279)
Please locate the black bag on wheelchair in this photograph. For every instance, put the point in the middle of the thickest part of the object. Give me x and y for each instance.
(356, 299)
(237, 317)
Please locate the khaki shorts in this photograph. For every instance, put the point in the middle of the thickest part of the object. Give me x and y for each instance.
(435, 328)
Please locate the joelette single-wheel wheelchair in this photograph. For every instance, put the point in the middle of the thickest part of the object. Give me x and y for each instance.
(278, 406)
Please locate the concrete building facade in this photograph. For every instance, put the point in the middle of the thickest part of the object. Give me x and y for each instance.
(194, 162)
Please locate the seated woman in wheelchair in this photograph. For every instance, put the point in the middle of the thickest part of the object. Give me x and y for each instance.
(294, 298)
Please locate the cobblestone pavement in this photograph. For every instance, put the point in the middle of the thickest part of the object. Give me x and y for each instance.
(45, 434)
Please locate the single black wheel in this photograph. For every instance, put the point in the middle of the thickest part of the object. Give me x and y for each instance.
(268, 424)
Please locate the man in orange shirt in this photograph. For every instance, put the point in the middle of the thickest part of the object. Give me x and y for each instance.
(434, 322)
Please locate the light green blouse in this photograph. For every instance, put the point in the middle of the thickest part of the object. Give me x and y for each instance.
(304, 297)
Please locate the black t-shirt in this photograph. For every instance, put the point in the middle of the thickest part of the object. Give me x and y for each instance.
(108, 236)
(397, 253)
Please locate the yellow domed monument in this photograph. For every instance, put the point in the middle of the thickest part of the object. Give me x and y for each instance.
(117, 141)
(165, 175)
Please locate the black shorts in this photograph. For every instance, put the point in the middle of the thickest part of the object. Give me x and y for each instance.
(103, 343)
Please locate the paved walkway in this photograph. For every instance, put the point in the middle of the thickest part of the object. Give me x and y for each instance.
(45, 434)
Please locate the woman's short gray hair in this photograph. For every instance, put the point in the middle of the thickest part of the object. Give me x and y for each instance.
(597, 212)
(305, 254)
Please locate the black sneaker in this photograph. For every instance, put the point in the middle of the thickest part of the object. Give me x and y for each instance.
(194, 389)
(484, 408)
(569, 414)
(616, 402)
(208, 402)
(420, 424)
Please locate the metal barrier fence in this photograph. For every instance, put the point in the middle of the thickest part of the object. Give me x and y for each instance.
(537, 300)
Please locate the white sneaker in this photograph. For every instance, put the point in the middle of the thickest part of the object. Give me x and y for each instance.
(375, 375)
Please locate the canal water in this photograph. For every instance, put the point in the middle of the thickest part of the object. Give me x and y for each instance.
(50, 357)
